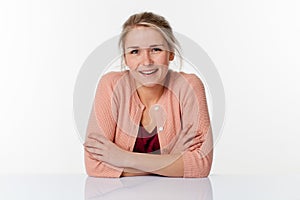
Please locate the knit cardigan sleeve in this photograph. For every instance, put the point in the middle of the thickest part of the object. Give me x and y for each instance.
(103, 121)
(197, 163)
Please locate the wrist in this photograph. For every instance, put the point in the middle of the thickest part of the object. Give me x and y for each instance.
(128, 159)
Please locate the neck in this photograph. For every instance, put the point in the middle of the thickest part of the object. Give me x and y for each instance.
(150, 95)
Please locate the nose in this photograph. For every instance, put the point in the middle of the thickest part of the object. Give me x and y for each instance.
(146, 57)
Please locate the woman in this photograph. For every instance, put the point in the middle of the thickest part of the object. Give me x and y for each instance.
(149, 119)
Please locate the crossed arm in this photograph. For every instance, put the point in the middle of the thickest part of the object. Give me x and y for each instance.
(185, 156)
(134, 164)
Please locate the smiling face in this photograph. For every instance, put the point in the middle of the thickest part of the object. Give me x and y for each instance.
(147, 55)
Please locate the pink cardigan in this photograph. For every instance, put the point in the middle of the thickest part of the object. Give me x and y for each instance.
(117, 113)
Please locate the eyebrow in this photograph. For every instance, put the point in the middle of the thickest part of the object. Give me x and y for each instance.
(153, 45)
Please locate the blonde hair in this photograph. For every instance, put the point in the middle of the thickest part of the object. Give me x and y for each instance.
(149, 19)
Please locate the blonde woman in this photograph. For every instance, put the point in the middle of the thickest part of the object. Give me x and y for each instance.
(149, 119)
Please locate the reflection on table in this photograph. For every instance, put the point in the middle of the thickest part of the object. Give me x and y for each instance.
(148, 187)
(217, 187)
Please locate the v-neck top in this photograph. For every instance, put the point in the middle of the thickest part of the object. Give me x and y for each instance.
(147, 142)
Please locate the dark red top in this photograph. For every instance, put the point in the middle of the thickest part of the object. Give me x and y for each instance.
(147, 142)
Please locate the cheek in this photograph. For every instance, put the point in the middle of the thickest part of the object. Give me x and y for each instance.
(163, 60)
(131, 63)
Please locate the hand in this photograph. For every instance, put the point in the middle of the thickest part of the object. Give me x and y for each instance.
(186, 139)
(105, 150)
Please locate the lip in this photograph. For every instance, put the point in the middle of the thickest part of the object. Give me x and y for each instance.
(148, 72)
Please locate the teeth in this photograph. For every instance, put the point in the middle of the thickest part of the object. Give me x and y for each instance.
(148, 72)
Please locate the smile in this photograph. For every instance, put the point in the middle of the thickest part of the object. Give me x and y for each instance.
(148, 72)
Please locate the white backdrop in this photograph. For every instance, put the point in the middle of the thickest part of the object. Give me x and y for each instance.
(254, 44)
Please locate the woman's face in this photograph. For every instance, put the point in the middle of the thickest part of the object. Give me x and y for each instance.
(147, 55)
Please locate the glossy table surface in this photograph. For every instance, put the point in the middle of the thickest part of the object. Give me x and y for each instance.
(216, 187)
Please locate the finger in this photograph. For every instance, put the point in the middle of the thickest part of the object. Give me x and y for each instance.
(93, 143)
(195, 133)
(194, 142)
(187, 128)
(90, 142)
(184, 131)
(96, 134)
(194, 147)
(97, 157)
(95, 151)
(188, 142)
(197, 141)
(177, 141)
(190, 136)
(180, 142)
(98, 137)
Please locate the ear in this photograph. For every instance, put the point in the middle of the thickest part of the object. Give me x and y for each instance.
(171, 56)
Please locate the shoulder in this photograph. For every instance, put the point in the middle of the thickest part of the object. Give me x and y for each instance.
(192, 79)
(183, 79)
(112, 77)
(108, 82)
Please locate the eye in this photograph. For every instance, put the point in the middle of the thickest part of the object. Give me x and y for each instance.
(156, 50)
(135, 51)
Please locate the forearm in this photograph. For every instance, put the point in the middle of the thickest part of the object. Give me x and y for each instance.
(165, 165)
(96, 168)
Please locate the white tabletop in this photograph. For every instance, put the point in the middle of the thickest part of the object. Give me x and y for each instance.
(216, 187)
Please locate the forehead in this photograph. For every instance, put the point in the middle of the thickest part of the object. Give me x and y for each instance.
(143, 37)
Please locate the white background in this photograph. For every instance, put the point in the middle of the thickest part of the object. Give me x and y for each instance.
(254, 44)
